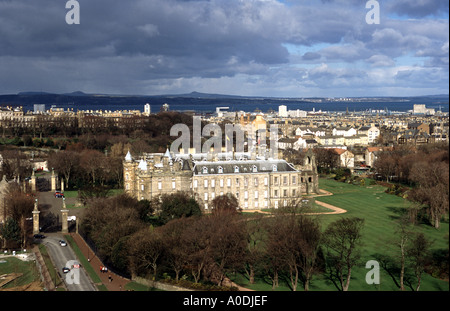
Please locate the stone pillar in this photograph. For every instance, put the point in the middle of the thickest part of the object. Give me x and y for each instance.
(65, 214)
(36, 213)
(62, 185)
(33, 182)
(53, 181)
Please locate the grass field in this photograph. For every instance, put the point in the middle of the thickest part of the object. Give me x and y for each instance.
(15, 265)
(380, 211)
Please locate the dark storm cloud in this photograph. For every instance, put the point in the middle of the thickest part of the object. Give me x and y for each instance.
(420, 8)
(149, 46)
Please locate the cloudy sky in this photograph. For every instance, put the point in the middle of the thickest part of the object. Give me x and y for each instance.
(284, 48)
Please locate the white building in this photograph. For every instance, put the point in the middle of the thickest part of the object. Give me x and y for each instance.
(147, 109)
(422, 109)
(282, 111)
(344, 131)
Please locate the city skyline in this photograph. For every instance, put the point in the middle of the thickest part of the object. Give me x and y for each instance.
(248, 48)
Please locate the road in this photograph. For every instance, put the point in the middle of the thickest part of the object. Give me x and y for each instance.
(63, 256)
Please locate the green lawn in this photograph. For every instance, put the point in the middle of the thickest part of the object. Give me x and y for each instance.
(15, 265)
(380, 210)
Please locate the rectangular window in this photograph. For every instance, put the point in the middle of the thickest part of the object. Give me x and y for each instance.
(266, 181)
(174, 184)
(245, 194)
(237, 182)
(213, 183)
(255, 181)
(195, 183)
(285, 193)
(221, 182)
(206, 196)
(142, 187)
(294, 180)
(229, 182)
(205, 183)
(275, 193)
(266, 194)
(256, 194)
(159, 185)
(285, 180)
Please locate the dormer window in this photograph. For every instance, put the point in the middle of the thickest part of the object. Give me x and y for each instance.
(236, 169)
(254, 169)
(220, 170)
(274, 168)
(205, 170)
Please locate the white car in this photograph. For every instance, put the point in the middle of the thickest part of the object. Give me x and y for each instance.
(62, 243)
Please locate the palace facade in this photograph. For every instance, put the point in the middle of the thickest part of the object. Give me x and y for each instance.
(256, 182)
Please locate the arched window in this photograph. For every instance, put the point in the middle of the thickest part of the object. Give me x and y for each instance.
(205, 170)
(220, 170)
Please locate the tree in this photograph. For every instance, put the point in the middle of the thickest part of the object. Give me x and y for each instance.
(402, 238)
(92, 161)
(342, 239)
(255, 234)
(10, 231)
(224, 204)
(176, 251)
(293, 243)
(432, 190)
(227, 243)
(326, 159)
(19, 207)
(418, 253)
(385, 165)
(196, 238)
(310, 236)
(177, 205)
(146, 249)
(108, 220)
(65, 163)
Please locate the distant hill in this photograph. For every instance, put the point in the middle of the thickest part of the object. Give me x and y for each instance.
(197, 101)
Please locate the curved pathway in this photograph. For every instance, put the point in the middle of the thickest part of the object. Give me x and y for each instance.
(335, 209)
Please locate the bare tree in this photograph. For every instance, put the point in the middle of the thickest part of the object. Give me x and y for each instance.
(146, 249)
(19, 207)
(432, 190)
(342, 238)
(403, 234)
(225, 204)
(227, 243)
(65, 163)
(418, 253)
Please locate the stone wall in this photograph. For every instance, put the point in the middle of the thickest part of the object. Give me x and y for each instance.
(159, 285)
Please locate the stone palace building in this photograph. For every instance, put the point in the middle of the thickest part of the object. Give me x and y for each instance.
(256, 182)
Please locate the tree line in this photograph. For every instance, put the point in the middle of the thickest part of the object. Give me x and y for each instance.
(425, 170)
(169, 236)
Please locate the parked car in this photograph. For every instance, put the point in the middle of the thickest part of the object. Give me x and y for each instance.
(62, 243)
(59, 194)
(65, 270)
(39, 236)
